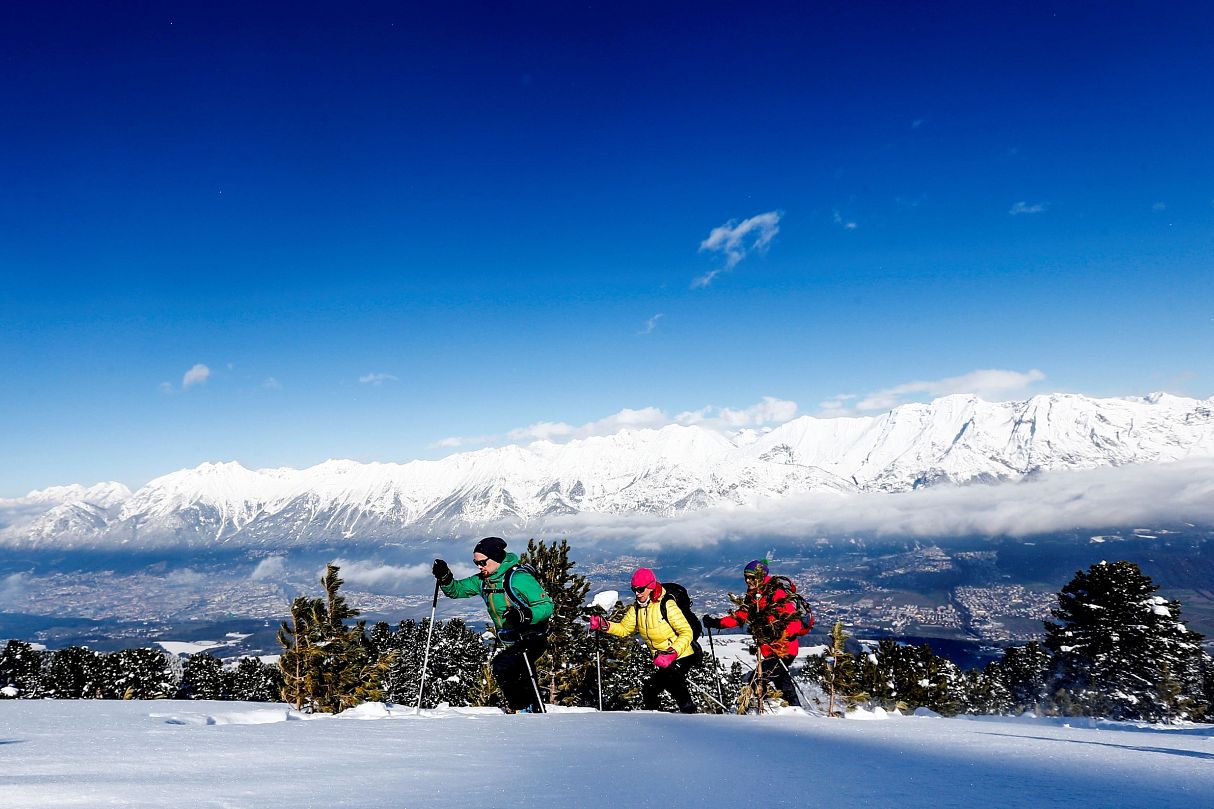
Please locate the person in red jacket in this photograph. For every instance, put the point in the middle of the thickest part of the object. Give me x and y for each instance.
(776, 622)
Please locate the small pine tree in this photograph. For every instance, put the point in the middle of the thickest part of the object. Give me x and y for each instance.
(139, 674)
(1024, 673)
(840, 676)
(21, 667)
(255, 681)
(74, 672)
(326, 665)
(203, 677)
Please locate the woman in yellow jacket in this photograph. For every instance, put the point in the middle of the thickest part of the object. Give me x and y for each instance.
(669, 638)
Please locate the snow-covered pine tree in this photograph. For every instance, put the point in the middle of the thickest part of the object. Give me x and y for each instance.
(21, 667)
(985, 692)
(74, 672)
(255, 681)
(139, 674)
(203, 677)
(563, 669)
(1121, 650)
(457, 663)
(1025, 674)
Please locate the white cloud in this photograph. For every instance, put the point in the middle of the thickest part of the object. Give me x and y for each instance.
(735, 240)
(769, 410)
(1024, 208)
(271, 384)
(652, 323)
(12, 589)
(376, 379)
(272, 567)
(393, 578)
(1092, 499)
(197, 375)
(1159, 206)
(990, 383)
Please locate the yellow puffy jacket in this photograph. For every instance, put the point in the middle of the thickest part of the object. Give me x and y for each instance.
(672, 633)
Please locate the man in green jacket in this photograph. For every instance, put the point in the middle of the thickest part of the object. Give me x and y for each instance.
(519, 609)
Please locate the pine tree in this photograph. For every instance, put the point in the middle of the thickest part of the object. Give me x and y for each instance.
(326, 665)
(74, 672)
(203, 677)
(1025, 673)
(21, 667)
(985, 692)
(139, 674)
(1121, 651)
(840, 676)
(255, 681)
(563, 668)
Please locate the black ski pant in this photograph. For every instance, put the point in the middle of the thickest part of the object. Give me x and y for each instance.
(776, 674)
(510, 672)
(673, 680)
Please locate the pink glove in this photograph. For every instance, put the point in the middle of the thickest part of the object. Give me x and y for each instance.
(664, 659)
(598, 623)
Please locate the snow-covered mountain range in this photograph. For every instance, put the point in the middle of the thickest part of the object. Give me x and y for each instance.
(666, 472)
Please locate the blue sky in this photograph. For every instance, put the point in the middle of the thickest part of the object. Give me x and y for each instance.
(280, 234)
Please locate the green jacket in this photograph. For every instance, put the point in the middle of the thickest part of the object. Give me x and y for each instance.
(493, 591)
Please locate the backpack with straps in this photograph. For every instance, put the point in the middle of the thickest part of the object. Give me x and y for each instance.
(804, 613)
(518, 601)
(677, 593)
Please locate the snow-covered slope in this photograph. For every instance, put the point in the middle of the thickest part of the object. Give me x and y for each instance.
(227, 754)
(666, 472)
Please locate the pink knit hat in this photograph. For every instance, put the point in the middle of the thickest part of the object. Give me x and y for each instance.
(643, 578)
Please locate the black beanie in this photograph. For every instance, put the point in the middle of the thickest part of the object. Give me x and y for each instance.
(493, 547)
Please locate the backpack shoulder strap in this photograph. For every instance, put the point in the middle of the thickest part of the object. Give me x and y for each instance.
(508, 583)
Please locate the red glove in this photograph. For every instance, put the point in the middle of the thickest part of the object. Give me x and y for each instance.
(664, 659)
(598, 623)
(765, 650)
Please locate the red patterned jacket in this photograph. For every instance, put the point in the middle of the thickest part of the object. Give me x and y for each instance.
(767, 602)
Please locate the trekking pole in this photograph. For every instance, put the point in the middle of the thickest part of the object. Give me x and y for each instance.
(708, 696)
(421, 683)
(716, 668)
(598, 669)
(534, 684)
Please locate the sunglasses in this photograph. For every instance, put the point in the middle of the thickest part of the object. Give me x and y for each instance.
(639, 590)
(480, 562)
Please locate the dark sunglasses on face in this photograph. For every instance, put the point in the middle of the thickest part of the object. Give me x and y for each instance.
(639, 590)
(480, 562)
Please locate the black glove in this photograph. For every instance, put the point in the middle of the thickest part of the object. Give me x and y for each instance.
(441, 572)
(515, 617)
(711, 622)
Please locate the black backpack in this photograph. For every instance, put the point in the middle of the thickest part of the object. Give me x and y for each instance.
(678, 594)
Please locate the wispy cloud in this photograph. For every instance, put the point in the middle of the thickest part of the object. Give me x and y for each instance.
(651, 323)
(382, 577)
(987, 383)
(735, 240)
(197, 375)
(376, 379)
(273, 567)
(271, 383)
(1094, 499)
(846, 224)
(917, 123)
(1025, 208)
(768, 411)
(1159, 206)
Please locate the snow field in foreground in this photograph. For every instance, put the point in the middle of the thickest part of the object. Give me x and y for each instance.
(223, 754)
